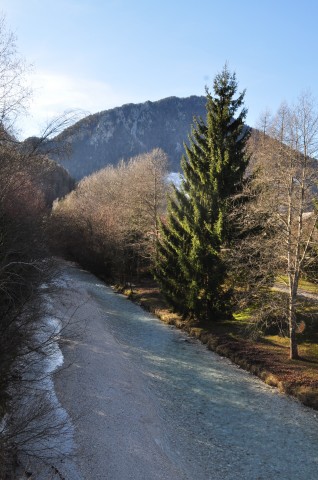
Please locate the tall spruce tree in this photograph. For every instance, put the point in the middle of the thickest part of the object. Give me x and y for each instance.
(190, 267)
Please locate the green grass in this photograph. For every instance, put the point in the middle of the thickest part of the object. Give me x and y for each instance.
(306, 285)
(244, 316)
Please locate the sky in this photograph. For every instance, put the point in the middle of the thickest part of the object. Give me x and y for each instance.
(93, 55)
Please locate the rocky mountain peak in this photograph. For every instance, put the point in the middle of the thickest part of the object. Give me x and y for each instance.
(123, 132)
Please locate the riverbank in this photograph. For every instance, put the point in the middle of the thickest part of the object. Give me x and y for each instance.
(267, 358)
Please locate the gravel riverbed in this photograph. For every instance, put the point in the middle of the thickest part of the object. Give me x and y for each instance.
(148, 403)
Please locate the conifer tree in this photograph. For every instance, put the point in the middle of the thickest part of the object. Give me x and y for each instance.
(190, 268)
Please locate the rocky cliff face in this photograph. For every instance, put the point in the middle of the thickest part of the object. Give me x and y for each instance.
(121, 133)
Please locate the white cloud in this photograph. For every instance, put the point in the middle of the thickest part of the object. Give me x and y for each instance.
(56, 93)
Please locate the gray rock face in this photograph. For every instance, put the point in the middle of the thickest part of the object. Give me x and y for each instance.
(123, 132)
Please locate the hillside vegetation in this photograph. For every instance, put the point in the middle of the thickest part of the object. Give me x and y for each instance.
(109, 223)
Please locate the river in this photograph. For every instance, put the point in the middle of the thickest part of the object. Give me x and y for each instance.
(145, 401)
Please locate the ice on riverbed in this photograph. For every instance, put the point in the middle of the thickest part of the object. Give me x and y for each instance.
(41, 428)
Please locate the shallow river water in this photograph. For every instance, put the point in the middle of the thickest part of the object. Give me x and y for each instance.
(213, 420)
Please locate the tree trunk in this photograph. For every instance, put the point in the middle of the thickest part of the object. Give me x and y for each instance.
(293, 348)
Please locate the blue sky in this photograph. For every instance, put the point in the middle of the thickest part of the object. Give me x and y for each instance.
(94, 54)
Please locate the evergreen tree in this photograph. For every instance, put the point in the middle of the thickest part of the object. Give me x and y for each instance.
(190, 268)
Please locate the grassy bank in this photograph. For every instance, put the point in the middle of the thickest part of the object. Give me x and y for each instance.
(266, 357)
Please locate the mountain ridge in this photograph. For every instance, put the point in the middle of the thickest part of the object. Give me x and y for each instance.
(106, 137)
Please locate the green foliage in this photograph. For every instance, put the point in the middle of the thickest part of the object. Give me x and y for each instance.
(190, 268)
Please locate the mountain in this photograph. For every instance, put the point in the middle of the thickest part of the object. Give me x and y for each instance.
(53, 180)
(123, 132)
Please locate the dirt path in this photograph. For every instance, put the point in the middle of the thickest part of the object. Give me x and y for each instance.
(300, 292)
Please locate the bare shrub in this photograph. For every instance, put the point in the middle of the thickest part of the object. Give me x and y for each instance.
(109, 223)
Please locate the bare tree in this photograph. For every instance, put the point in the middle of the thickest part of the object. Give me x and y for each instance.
(147, 173)
(23, 254)
(14, 90)
(277, 219)
(110, 220)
